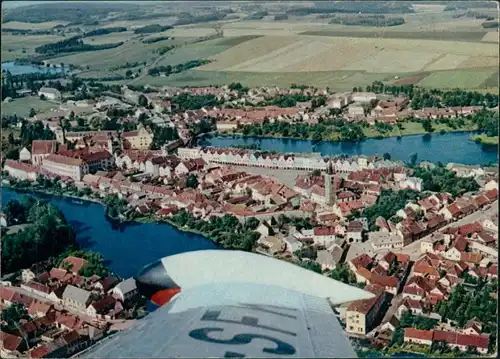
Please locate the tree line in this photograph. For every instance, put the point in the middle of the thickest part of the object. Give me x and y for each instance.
(73, 44)
(104, 31)
(187, 101)
(368, 20)
(169, 69)
(149, 29)
(226, 231)
(152, 40)
(342, 130)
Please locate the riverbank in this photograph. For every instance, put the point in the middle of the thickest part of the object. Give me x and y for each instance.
(485, 140)
(409, 128)
(443, 147)
(126, 247)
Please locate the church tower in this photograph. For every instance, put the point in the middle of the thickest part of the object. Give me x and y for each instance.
(330, 191)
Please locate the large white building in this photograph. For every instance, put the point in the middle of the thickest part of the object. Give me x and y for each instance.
(50, 93)
(63, 166)
(20, 170)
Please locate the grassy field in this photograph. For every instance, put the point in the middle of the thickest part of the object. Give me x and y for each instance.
(13, 45)
(109, 38)
(415, 128)
(422, 35)
(320, 53)
(21, 106)
(30, 26)
(457, 79)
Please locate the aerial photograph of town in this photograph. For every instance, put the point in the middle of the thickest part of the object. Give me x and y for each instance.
(249, 179)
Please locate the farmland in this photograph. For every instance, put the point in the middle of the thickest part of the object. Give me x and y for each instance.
(29, 26)
(432, 48)
(21, 106)
(14, 45)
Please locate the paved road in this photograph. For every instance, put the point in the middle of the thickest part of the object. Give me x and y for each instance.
(413, 249)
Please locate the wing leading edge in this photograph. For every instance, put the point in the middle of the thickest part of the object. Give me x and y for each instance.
(233, 320)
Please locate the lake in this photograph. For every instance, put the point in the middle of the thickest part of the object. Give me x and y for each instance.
(446, 147)
(128, 247)
(19, 69)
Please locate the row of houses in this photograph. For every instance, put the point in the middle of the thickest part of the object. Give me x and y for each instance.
(282, 161)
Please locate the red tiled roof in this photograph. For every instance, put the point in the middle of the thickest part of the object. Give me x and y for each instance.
(492, 194)
(362, 306)
(38, 286)
(363, 260)
(63, 160)
(324, 231)
(10, 342)
(411, 303)
(384, 280)
(418, 334)
(59, 274)
(470, 228)
(39, 352)
(482, 200)
(21, 166)
(6, 294)
(460, 244)
(78, 263)
(42, 147)
(471, 257)
(38, 307)
(454, 210)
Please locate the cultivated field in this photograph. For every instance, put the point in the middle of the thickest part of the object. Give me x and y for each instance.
(22, 106)
(30, 26)
(110, 38)
(13, 45)
(491, 36)
(460, 79)
(322, 53)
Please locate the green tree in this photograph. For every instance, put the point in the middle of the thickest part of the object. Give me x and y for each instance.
(143, 101)
(32, 112)
(192, 181)
(387, 156)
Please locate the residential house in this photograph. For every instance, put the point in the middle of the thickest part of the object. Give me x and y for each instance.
(271, 245)
(76, 298)
(188, 166)
(125, 290)
(362, 315)
(140, 139)
(12, 345)
(355, 231)
(50, 93)
(386, 240)
(24, 154)
(101, 307)
(73, 264)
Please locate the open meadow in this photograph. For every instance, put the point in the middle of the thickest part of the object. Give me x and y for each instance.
(18, 46)
(21, 106)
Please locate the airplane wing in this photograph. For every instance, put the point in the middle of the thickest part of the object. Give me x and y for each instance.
(233, 320)
(218, 303)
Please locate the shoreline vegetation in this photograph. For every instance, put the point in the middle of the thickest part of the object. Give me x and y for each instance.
(485, 139)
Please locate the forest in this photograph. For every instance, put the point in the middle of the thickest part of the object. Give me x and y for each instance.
(104, 31)
(149, 29)
(187, 101)
(155, 71)
(152, 40)
(286, 100)
(367, 20)
(382, 7)
(73, 44)
(46, 234)
(190, 19)
(326, 130)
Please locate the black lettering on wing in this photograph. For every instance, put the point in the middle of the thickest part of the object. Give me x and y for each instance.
(213, 315)
(282, 348)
